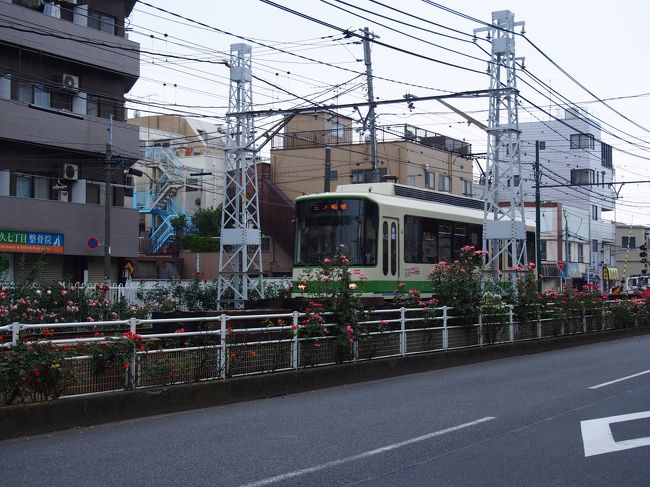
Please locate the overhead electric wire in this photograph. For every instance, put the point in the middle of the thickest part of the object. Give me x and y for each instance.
(546, 56)
(248, 39)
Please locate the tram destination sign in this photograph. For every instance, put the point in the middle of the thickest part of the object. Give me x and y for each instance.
(31, 242)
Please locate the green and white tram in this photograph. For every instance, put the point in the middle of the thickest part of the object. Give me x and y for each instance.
(391, 233)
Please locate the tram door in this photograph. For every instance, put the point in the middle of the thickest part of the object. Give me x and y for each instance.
(390, 247)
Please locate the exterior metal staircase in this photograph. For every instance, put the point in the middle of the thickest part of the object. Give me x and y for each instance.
(160, 201)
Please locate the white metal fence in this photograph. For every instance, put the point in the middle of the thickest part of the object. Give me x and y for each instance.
(222, 346)
(133, 291)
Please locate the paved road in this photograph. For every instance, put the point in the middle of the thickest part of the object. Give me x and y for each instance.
(521, 421)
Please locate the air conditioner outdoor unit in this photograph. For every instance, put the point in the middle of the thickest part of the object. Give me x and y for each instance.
(70, 82)
(71, 172)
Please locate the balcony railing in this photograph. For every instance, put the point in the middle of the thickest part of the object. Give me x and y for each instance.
(386, 133)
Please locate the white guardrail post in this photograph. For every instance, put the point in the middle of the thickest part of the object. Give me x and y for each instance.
(15, 333)
(539, 324)
(223, 359)
(295, 344)
(133, 375)
(402, 335)
(445, 330)
(480, 327)
(511, 324)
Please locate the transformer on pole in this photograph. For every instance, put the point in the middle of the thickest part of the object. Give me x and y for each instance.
(504, 229)
(240, 256)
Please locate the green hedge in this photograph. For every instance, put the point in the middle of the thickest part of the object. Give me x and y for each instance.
(200, 244)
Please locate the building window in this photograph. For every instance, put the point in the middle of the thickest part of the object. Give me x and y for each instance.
(542, 250)
(594, 212)
(467, 188)
(102, 22)
(582, 141)
(365, 175)
(92, 106)
(95, 193)
(334, 175)
(41, 97)
(338, 130)
(25, 93)
(569, 256)
(445, 183)
(606, 155)
(628, 242)
(516, 179)
(582, 176)
(33, 94)
(430, 180)
(24, 186)
(581, 253)
(542, 145)
(602, 179)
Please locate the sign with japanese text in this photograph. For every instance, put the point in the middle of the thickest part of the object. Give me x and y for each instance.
(31, 242)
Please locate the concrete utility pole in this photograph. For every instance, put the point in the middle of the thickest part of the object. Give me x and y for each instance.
(240, 253)
(371, 119)
(538, 221)
(328, 168)
(108, 201)
(504, 229)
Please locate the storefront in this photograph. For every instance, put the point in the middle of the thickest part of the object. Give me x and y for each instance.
(14, 245)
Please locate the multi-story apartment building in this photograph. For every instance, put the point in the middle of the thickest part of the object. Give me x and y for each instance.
(632, 249)
(580, 167)
(64, 70)
(406, 154)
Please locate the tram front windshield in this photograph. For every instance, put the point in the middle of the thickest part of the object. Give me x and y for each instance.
(323, 225)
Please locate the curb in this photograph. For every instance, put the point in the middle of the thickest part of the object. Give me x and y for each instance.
(71, 412)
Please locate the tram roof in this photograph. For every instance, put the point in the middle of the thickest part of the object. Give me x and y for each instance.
(409, 197)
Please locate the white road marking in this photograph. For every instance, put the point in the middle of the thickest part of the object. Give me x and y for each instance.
(619, 380)
(597, 435)
(383, 449)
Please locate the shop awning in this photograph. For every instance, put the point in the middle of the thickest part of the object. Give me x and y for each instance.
(610, 273)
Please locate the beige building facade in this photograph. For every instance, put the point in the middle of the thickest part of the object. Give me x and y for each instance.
(630, 242)
(406, 154)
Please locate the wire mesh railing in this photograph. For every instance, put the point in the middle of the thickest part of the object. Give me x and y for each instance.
(224, 346)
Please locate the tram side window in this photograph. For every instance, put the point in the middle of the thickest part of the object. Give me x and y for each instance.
(444, 240)
(420, 240)
(412, 238)
(459, 239)
(474, 236)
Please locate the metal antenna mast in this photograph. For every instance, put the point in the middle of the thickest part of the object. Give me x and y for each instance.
(240, 257)
(504, 229)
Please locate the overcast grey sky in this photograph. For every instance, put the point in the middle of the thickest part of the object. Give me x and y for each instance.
(603, 47)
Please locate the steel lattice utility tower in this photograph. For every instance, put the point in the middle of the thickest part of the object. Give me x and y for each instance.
(504, 230)
(240, 265)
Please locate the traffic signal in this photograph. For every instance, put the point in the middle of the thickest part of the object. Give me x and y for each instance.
(644, 253)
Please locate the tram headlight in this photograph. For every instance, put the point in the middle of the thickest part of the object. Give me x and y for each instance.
(352, 285)
(302, 286)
